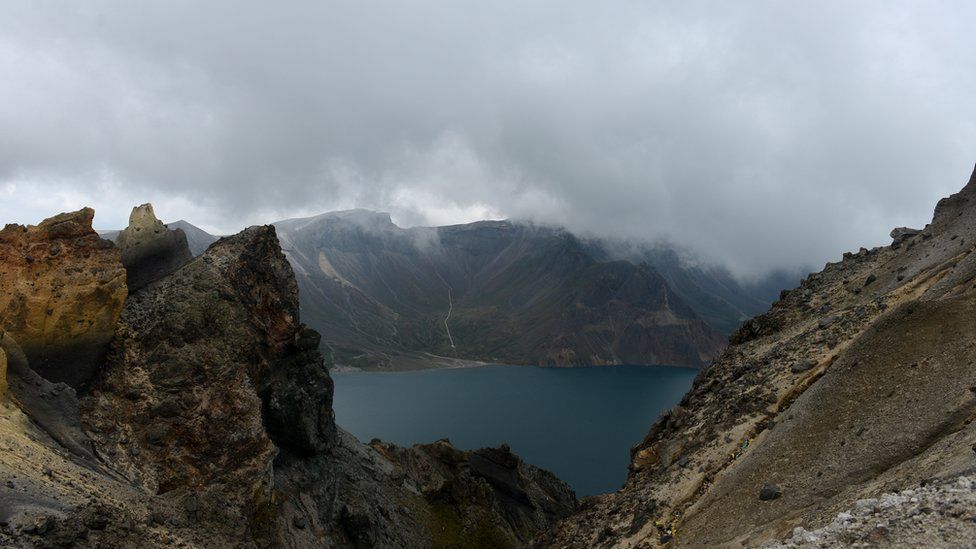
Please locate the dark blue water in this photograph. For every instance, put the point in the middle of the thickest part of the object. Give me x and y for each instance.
(578, 423)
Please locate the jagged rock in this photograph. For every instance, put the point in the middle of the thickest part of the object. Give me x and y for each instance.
(902, 234)
(207, 335)
(150, 251)
(61, 292)
(493, 493)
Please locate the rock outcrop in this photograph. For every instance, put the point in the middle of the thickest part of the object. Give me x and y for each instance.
(61, 292)
(149, 249)
(883, 402)
(486, 497)
(210, 424)
(938, 514)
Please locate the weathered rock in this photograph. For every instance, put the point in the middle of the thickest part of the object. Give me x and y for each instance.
(902, 234)
(493, 495)
(828, 322)
(207, 336)
(150, 251)
(61, 292)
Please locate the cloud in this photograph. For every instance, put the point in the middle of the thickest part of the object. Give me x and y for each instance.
(761, 134)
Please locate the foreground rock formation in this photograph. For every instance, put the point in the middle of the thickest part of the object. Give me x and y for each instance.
(61, 292)
(210, 424)
(859, 382)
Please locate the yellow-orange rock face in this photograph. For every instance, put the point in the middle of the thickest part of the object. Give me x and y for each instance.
(62, 288)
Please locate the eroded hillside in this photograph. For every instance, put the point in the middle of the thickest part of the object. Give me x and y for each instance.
(860, 381)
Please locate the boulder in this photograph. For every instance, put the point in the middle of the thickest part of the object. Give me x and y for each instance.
(61, 292)
(770, 492)
(802, 366)
(149, 249)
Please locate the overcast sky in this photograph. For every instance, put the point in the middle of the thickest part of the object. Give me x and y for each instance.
(761, 134)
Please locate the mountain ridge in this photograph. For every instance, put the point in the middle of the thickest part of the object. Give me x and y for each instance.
(492, 291)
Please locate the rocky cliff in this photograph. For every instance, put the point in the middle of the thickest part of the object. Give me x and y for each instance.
(61, 292)
(859, 382)
(387, 297)
(209, 424)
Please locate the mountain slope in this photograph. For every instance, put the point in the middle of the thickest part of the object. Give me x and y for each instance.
(198, 239)
(857, 383)
(491, 291)
(711, 290)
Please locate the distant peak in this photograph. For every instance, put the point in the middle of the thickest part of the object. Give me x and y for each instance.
(362, 215)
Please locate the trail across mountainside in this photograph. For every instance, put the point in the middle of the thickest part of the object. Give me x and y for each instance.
(450, 309)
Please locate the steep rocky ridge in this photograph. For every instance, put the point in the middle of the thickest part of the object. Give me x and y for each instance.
(861, 381)
(210, 425)
(61, 292)
(488, 291)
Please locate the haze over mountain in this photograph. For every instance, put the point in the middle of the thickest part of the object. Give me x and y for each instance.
(492, 291)
(519, 293)
(760, 136)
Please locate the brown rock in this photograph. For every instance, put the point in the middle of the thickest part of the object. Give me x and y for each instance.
(203, 344)
(61, 292)
(3, 374)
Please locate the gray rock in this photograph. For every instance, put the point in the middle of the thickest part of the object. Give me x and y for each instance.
(802, 366)
(150, 251)
(770, 492)
(902, 234)
(52, 406)
(827, 322)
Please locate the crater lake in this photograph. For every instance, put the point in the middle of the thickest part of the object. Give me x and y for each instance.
(579, 423)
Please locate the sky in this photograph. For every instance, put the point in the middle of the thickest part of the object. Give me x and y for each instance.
(758, 134)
